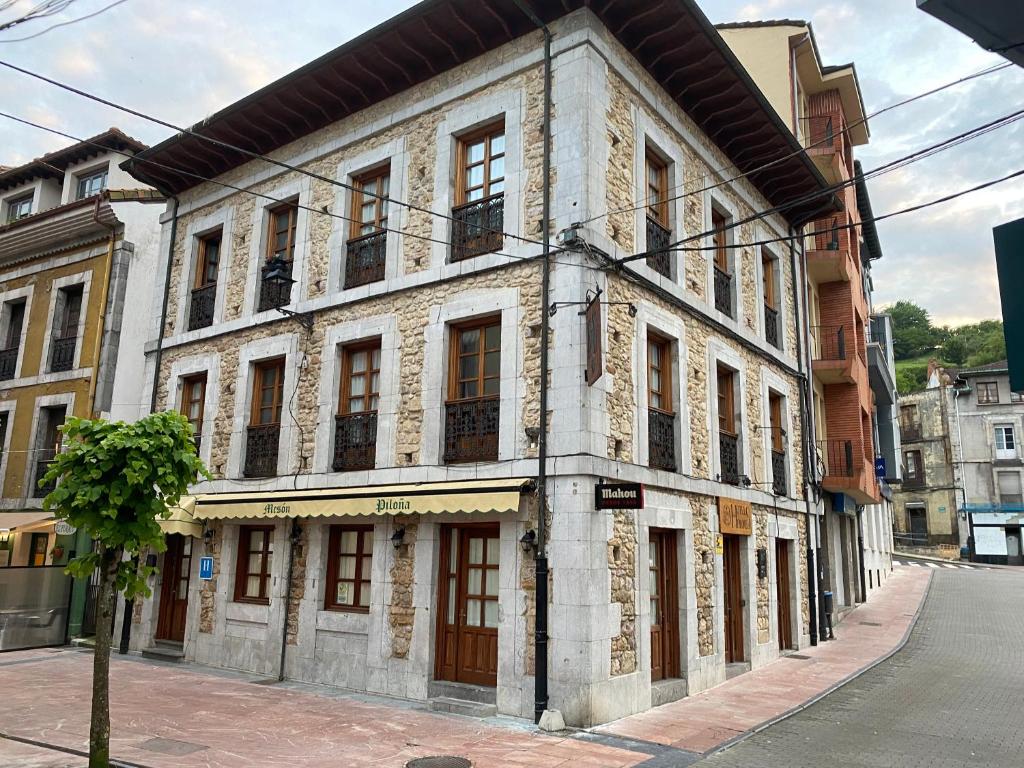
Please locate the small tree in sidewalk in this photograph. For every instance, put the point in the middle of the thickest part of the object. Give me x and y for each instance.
(116, 481)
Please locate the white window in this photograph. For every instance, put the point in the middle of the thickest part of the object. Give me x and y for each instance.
(1009, 487)
(19, 209)
(1006, 445)
(91, 183)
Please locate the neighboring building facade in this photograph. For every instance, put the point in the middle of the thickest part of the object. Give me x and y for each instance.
(374, 449)
(77, 238)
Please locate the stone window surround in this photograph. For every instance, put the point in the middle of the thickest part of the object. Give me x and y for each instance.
(25, 292)
(66, 399)
(649, 136)
(771, 383)
(650, 318)
(284, 345)
(9, 407)
(434, 386)
(1003, 420)
(508, 103)
(256, 613)
(336, 337)
(302, 189)
(85, 280)
(730, 358)
(713, 200)
(318, 534)
(781, 290)
(222, 219)
(187, 366)
(348, 171)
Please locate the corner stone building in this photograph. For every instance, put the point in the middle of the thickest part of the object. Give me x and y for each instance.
(374, 473)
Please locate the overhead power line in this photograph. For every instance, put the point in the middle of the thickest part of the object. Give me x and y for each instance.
(41, 11)
(67, 23)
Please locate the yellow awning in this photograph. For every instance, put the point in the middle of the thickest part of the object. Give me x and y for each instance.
(182, 519)
(411, 499)
(11, 520)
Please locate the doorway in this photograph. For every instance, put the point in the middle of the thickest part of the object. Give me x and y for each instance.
(732, 583)
(664, 589)
(170, 623)
(1013, 547)
(918, 519)
(467, 637)
(782, 592)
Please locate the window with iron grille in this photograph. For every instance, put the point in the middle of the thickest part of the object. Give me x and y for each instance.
(728, 433)
(722, 273)
(204, 287)
(193, 403)
(48, 444)
(659, 231)
(14, 319)
(661, 417)
(988, 392)
(254, 562)
(264, 430)
(367, 244)
(355, 432)
(770, 282)
(474, 389)
(62, 354)
(281, 222)
(349, 565)
(478, 216)
(778, 442)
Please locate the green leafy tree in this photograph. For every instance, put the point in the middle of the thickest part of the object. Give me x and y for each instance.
(911, 378)
(912, 331)
(116, 481)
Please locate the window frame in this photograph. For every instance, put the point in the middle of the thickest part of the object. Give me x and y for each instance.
(15, 203)
(999, 489)
(769, 285)
(186, 400)
(991, 389)
(260, 369)
(664, 346)
(726, 400)
(290, 207)
(720, 239)
(81, 180)
(380, 202)
(203, 259)
(659, 211)
(913, 464)
(344, 388)
(1005, 430)
(775, 421)
(363, 572)
(13, 340)
(242, 572)
(66, 329)
(454, 380)
(487, 133)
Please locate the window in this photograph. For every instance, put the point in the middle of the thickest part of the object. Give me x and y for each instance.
(1006, 445)
(778, 435)
(661, 419)
(367, 245)
(255, 557)
(1009, 487)
(657, 189)
(719, 240)
(19, 208)
(49, 439)
(910, 424)
(72, 312)
(988, 392)
(204, 288)
(91, 183)
(264, 431)
(914, 468)
(349, 563)
(280, 248)
(355, 434)
(728, 435)
(66, 332)
(1017, 397)
(193, 399)
(771, 299)
(478, 216)
(474, 381)
(15, 320)
(37, 549)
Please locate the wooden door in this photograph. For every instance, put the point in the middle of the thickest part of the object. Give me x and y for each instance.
(733, 599)
(783, 594)
(664, 589)
(467, 639)
(174, 588)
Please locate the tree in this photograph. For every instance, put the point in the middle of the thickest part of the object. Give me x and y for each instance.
(912, 331)
(115, 481)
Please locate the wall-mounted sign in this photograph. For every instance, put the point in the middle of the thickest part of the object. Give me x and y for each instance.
(64, 528)
(879, 466)
(205, 568)
(719, 544)
(619, 496)
(734, 516)
(595, 364)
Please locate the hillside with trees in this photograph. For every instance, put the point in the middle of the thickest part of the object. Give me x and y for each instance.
(916, 340)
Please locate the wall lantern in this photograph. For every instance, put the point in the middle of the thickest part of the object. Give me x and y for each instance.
(279, 273)
(528, 541)
(398, 538)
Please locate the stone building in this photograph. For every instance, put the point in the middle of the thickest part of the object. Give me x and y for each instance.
(354, 326)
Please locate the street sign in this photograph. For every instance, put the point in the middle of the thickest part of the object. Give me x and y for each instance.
(618, 496)
(64, 528)
(205, 568)
(879, 466)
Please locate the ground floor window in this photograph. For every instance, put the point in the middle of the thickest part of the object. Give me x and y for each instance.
(255, 555)
(349, 563)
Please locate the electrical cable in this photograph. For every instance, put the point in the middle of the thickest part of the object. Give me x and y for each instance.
(69, 22)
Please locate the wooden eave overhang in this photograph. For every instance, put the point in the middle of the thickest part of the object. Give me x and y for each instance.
(53, 164)
(672, 39)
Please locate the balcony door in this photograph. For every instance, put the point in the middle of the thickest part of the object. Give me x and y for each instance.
(474, 389)
(177, 567)
(664, 588)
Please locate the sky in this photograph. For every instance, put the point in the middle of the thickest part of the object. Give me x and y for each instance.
(182, 61)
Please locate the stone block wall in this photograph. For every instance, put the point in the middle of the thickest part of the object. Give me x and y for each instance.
(622, 562)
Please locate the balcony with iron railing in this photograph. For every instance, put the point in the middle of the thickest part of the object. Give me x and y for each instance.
(62, 356)
(880, 362)
(42, 467)
(8, 363)
(365, 258)
(729, 457)
(658, 239)
(831, 360)
(262, 443)
(661, 440)
(355, 441)
(828, 256)
(274, 293)
(723, 291)
(477, 227)
(823, 138)
(910, 432)
(913, 481)
(772, 331)
(471, 430)
(779, 487)
(200, 308)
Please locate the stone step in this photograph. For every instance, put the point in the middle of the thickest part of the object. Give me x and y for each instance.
(437, 689)
(164, 652)
(462, 707)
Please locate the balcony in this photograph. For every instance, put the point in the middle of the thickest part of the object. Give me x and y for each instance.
(364, 262)
(477, 226)
(881, 366)
(62, 357)
(273, 294)
(912, 482)
(779, 473)
(261, 449)
(847, 471)
(822, 136)
(42, 467)
(658, 239)
(728, 448)
(8, 363)
(829, 259)
(723, 291)
(661, 440)
(830, 360)
(355, 441)
(910, 432)
(471, 430)
(771, 327)
(200, 308)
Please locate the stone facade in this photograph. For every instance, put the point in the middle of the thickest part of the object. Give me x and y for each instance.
(622, 563)
(401, 611)
(704, 552)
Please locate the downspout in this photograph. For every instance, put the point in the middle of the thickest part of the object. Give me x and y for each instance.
(960, 462)
(860, 545)
(540, 553)
(808, 420)
(104, 298)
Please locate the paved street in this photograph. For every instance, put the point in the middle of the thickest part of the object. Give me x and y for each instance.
(950, 698)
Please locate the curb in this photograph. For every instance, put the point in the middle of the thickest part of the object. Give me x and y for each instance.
(114, 762)
(832, 688)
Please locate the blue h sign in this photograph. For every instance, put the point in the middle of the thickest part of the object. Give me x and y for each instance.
(205, 568)
(879, 466)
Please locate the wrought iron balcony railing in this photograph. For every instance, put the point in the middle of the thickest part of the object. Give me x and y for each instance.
(355, 441)
(200, 309)
(837, 456)
(829, 342)
(8, 363)
(728, 448)
(826, 237)
(771, 326)
(779, 473)
(723, 291)
(364, 261)
(818, 133)
(916, 481)
(273, 294)
(63, 354)
(261, 450)
(42, 467)
(658, 239)
(477, 226)
(910, 432)
(661, 440)
(471, 430)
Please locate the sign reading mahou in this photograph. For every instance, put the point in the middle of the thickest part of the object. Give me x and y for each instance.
(619, 496)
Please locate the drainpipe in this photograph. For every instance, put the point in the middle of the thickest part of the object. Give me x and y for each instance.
(540, 555)
(960, 457)
(860, 545)
(104, 297)
(808, 414)
(293, 542)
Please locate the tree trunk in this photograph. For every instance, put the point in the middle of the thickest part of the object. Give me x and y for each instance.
(106, 601)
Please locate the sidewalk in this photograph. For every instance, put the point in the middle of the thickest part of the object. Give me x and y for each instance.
(711, 719)
(166, 716)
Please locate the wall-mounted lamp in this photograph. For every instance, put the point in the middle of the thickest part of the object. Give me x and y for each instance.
(208, 536)
(279, 274)
(528, 541)
(398, 538)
